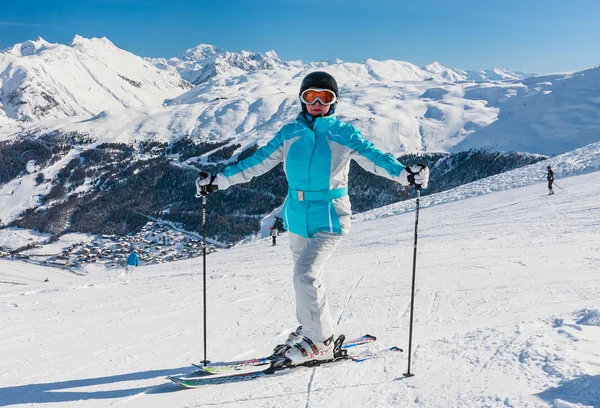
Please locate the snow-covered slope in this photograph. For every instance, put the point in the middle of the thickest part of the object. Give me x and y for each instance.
(17, 273)
(579, 161)
(24, 192)
(496, 74)
(548, 114)
(505, 315)
(40, 80)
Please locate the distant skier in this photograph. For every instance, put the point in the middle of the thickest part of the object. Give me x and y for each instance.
(132, 261)
(316, 149)
(274, 233)
(550, 178)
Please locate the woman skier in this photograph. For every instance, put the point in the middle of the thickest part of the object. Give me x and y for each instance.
(316, 149)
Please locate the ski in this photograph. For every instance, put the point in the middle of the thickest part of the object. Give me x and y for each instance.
(242, 365)
(199, 381)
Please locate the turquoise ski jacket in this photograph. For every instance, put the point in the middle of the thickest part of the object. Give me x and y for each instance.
(133, 259)
(316, 163)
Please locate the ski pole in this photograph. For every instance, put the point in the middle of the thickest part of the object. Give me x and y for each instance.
(412, 296)
(557, 185)
(204, 193)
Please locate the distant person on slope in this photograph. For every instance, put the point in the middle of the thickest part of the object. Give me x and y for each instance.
(316, 149)
(132, 261)
(550, 178)
(274, 233)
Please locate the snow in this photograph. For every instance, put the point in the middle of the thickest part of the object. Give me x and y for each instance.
(506, 298)
(206, 62)
(541, 115)
(591, 318)
(13, 238)
(495, 74)
(24, 275)
(23, 192)
(56, 247)
(39, 80)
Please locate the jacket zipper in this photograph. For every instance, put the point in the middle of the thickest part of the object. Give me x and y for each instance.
(309, 168)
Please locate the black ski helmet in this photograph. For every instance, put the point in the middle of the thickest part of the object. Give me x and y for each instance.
(548, 167)
(319, 79)
(322, 80)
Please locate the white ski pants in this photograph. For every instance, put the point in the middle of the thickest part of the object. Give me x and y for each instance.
(309, 256)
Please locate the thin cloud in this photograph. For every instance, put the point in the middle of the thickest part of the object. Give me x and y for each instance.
(18, 24)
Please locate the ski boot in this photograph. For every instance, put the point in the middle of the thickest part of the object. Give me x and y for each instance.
(309, 353)
(293, 338)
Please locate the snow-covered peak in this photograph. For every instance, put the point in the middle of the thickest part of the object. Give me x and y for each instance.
(496, 74)
(77, 40)
(505, 73)
(41, 80)
(31, 47)
(272, 55)
(441, 72)
(435, 66)
(201, 52)
(26, 48)
(80, 42)
(207, 62)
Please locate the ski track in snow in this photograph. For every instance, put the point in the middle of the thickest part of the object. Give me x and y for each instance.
(348, 300)
(502, 282)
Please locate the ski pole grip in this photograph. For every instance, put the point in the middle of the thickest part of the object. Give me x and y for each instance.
(204, 189)
(422, 165)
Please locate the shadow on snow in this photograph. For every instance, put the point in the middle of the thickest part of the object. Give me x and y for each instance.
(582, 390)
(54, 392)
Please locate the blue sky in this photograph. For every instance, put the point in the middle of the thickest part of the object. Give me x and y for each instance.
(527, 35)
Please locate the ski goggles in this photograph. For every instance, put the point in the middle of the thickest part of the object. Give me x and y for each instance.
(325, 96)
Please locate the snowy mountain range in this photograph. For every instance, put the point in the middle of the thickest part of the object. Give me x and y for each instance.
(92, 87)
(497, 74)
(206, 62)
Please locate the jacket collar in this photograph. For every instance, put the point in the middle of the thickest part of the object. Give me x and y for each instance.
(301, 118)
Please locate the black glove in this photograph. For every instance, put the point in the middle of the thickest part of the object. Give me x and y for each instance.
(418, 175)
(205, 184)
